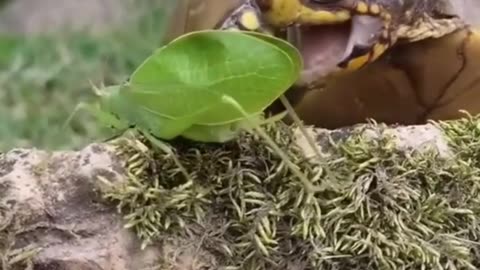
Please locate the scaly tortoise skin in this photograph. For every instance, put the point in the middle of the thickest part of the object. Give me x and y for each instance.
(394, 61)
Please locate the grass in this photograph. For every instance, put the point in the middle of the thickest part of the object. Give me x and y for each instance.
(43, 78)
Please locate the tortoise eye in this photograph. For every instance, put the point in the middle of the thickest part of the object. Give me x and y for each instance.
(264, 5)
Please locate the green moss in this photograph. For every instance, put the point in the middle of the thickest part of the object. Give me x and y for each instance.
(380, 208)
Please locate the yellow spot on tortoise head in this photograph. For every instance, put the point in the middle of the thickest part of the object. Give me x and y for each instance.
(308, 15)
(283, 12)
(360, 61)
(362, 7)
(249, 20)
(357, 63)
(378, 50)
(386, 16)
(374, 9)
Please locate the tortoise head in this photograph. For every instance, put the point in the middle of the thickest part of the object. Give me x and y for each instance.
(332, 35)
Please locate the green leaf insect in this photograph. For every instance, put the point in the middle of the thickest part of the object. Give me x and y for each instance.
(182, 88)
(205, 86)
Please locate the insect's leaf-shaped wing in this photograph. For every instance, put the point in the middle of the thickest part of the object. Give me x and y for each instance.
(290, 50)
(188, 77)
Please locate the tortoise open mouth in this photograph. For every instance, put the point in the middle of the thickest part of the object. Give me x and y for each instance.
(330, 48)
(328, 40)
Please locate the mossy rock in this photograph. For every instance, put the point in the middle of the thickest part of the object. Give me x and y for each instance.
(380, 206)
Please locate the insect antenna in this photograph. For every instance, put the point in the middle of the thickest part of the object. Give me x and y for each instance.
(78, 107)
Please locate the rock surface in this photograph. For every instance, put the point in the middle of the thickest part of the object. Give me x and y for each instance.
(56, 207)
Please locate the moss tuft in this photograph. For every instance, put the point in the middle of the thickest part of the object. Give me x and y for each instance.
(379, 208)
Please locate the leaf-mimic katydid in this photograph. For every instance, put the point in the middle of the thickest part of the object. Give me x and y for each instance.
(205, 86)
(179, 90)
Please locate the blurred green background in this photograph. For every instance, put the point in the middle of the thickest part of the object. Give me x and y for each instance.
(44, 76)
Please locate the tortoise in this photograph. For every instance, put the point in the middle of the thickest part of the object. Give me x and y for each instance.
(394, 61)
